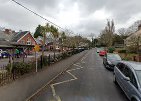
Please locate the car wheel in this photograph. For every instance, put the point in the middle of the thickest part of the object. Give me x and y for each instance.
(114, 79)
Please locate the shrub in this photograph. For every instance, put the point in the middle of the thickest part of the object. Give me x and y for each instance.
(45, 60)
(111, 49)
(122, 51)
(20, 67)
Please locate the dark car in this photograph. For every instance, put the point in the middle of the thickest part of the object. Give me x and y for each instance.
(128, 76)
(5, 54)
(110, 60)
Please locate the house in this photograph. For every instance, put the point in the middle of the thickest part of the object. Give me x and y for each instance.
(48, 42)
(24, 38)
(134, 39)
(24, 41)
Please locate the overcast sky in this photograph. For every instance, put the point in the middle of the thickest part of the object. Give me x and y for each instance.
(80, 16)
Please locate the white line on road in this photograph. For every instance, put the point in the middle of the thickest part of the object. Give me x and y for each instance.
(82, 60)
(66, 81)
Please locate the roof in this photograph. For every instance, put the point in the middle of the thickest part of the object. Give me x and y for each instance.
(5, 44)
(18, 36)
(134, 65)
(5, 36)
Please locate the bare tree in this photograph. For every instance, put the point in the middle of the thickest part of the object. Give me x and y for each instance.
(122, 31)
(106, 36)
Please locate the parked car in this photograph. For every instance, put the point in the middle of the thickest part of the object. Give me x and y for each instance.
(4, 54)
(128, 76)
(99, 49)
(102, 53)
(110, 60)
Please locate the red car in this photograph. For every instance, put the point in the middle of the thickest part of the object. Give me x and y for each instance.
(102, 53)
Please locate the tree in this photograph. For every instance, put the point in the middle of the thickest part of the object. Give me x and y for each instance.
(134, 43)
(122, 32)
(42, 31)
(117, 39)
(55, 34)
(63, 37)
(106, 36)
(38, 31)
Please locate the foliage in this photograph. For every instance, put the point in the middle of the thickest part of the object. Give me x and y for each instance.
(106, 36)
(20, 67)
(117, 39)
(54, 31)
(133, 43)
(122, 51)
(38, 31)
(111, 49)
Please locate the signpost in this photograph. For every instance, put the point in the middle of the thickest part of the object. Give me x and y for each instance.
(36, 48)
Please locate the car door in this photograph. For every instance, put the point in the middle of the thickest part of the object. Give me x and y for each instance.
(130, 86)
(119, 74)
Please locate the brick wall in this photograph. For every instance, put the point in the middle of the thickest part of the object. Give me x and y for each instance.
(28, 39)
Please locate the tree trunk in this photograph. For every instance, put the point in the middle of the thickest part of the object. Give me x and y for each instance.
(43, 47)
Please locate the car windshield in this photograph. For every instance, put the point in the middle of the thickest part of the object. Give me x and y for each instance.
(113, 57)
(138, 72)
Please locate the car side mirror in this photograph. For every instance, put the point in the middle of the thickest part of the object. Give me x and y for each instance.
(127, 78)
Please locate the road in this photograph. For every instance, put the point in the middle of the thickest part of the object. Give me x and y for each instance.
(86, 80)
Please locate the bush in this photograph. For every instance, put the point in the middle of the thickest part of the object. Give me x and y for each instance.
(122, 51)
(111, 49)
(20, 67)
(45, 60)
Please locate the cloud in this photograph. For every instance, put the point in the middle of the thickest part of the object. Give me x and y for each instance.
(81, 16)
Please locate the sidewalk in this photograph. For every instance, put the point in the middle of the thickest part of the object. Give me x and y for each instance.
(23, 88)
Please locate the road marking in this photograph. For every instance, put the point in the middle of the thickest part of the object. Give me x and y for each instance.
(40, 89)
(85, 56)
(66, 81)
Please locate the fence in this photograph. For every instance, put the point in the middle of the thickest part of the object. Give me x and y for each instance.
(20, 68)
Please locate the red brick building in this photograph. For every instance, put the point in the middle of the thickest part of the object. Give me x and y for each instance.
(24, 41)
(24, 38)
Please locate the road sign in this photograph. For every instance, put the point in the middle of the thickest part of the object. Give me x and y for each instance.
(37, 48)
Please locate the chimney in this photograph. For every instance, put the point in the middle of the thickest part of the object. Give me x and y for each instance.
(139, 27)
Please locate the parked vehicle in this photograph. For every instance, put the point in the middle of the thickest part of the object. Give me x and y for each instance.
(4, 54)
(128, 76)
(99, 49)
(102, 53)
(110, 60)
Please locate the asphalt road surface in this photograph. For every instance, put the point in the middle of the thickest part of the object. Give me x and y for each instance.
(86, 80)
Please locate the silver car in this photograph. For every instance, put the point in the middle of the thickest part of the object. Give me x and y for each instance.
(128, 76)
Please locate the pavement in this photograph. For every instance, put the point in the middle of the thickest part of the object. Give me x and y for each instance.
(30, 85)
(85, 80)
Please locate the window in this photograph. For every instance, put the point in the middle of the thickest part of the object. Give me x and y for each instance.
(28, 41)
(128, 73)
(120, 66)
